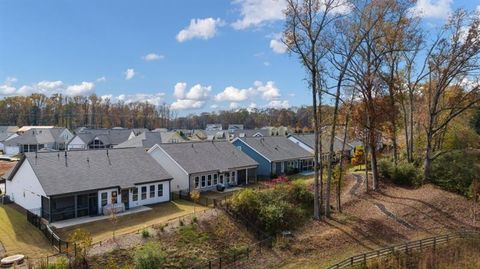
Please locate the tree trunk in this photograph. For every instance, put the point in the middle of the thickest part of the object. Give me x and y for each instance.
(428, 160)
(339, 183)
(365, 160)
(316, 205)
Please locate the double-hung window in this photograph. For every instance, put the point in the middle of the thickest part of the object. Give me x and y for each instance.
(160, 190)
(209, 181)
(197, 182)
(221, 179)
(203, 182)
(104, 198)
(152, 191)
(215, 179)
(135, 194)
(144, 192)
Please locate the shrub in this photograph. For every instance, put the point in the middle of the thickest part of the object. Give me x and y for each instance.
(275, 209)
(406, 174)
(455, 171)
(149, 257)
(145, 233)
(386, 169)
(236, 251)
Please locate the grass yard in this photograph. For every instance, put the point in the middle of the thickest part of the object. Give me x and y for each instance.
(161, 213)
(20, 237)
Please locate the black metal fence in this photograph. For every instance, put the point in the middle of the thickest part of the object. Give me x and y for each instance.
(432, 242)
(60, 245)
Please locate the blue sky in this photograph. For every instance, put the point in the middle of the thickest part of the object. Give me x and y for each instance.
(195, 55)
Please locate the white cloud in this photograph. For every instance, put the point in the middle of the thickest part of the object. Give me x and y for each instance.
(152, 57)
(185, 104)
(50, 85)
(432, 8)
(266, 63)
(179, 90)
(101, 79)
(83, 88)
(200, 28)
(129, 74)
(233, 105)
(198, 92)
(278, 104)
(45, 87)
(214, 106)
(278, 46)
(233, 94)
(257, 12)
(193, 99)
(268, 91)
(155, 98)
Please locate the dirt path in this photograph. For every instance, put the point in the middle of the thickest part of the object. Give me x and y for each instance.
(377, 219)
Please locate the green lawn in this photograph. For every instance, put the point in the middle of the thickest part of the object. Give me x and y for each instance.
(18, 236)
(161, 213)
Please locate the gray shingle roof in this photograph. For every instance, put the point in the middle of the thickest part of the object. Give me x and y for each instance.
(144, 140)
(7, 131)
(38, 136)
(276, 148)
(309, 140)
(196, 157)
(107, 136)
(122, 167)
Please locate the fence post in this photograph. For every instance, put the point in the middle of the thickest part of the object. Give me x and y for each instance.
(434, 243)
(365, 258)
(220, 263)
(210, 264)
(351, 260)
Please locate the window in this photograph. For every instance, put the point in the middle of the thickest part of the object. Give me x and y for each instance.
(232, 177)
(197, 182)
(227, 177)
(114, 197)
(209, 182)
(135, 194)
(215, 179)
(203, 181)
(152, 191)
(221, 179)
(160, 190)
(104, 199)
(144, 192)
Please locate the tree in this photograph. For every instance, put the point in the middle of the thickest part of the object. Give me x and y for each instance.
(453, 85)
(306, 23)
(82, 242)
(195, 196)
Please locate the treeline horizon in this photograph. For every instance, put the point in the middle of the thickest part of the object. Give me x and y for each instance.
(95, 112)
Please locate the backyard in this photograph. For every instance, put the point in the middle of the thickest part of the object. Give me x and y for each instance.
(17, 236)
(160, 213)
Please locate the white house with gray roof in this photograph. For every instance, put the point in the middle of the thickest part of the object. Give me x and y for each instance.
(38, 139)
(100, 138)
(66, 185)
(203, 165)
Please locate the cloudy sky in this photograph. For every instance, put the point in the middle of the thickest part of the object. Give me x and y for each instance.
(195, 55)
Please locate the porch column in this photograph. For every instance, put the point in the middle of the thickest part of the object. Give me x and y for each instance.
(76, 206)
(246, 175)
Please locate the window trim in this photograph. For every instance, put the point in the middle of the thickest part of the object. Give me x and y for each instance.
(160, 190)
(144, 193)
(152, 191)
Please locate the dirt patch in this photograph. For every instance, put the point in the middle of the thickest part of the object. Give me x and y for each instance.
(378, 219)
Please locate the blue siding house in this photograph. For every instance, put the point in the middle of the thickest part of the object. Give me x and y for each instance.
(276, 155)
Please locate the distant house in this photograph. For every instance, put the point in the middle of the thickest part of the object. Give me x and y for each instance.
(214, 127)
(307, 141)
(66, 185)
(250, 133)
(234, 127)
(100, 138)
(38, 139)
(23, 129)
(203, 165)
(6, 133)
(147, 140)
(276, 155)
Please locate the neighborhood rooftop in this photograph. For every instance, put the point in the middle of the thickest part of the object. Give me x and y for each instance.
(143, 140)
(196, 157)
(276, 148)
(309, 140)
(39, 136)
(94, 169)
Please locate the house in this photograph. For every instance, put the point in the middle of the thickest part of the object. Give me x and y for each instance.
(38, 139)
(99, 138)
(307, 142)
(6, 133)
(203, 165)
(214, 127)
(276, 155)
(234, 127)
(250, 133)
(23, 129)
(147, 140)
(66, 185)
(276, 131)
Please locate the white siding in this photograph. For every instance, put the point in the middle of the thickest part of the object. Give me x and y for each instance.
(77, 143)
(180, 177)
(150, 200)
(109, 197)
(12, 150)
(25, 189)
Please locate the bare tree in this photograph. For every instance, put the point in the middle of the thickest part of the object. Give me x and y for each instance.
(306, 23)
(453, 84)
